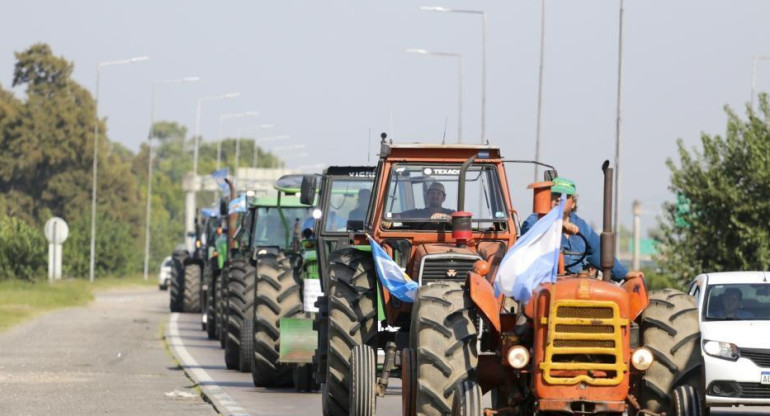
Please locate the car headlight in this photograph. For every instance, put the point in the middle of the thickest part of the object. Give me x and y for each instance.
(724, 350)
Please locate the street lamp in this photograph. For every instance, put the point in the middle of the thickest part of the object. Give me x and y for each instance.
(754, 62)
(616, 224)
(254, 152)
(228, 117)
(540, 88)
(459, 83)
(197, 139)
(96, 157)
(257, 142)
(149, 165)
(483, 15)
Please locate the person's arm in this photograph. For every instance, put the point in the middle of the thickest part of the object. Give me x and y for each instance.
(619, 271)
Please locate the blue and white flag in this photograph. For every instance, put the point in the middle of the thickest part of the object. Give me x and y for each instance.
(533, 260)
(392, 277)
(237, 205)
(219, 176)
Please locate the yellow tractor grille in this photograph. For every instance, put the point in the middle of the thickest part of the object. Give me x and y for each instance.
(584, 343)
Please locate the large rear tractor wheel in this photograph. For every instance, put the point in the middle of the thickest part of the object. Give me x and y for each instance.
(352, 321)
(363, 381)
(444, 341)
(192, 288)
(211, 299)
(277, 296)
(176, 292)
(670, 330)
(239, 293)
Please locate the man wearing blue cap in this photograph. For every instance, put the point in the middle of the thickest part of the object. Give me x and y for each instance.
(572, 245)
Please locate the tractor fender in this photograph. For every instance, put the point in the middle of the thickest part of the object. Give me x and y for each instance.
(483, 296)
(193, 260)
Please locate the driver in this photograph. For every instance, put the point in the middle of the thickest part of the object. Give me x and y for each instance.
(434, 197)
(572, 245)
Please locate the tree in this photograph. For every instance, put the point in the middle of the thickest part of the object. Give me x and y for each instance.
(720, 222)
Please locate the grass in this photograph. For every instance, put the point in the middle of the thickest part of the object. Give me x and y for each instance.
(21, 301)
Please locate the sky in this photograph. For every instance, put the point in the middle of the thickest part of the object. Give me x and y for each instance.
(327, 73)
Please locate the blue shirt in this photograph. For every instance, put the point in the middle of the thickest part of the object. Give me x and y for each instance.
(575, 244)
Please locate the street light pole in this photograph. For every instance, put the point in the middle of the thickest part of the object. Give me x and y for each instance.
(540, 88)
(459, 84)
(150, 136)
(219, 138)
(483, 15)
(754, 63)
(92, 260)
(197, 139)
(618, 120)
(254, 152)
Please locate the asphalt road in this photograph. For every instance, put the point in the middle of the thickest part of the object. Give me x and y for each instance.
(107, 358)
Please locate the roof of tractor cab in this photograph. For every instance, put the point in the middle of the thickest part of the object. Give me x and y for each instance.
(439, 152)
(351, 171)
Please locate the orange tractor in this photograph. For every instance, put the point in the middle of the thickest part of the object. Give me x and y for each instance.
(580, 346)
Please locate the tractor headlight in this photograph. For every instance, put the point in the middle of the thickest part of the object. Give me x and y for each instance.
(518, 357)
(642, 359)
(724, 350)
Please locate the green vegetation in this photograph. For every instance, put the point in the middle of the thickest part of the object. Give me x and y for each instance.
(20, 301)
(46, 166)
(721, 220)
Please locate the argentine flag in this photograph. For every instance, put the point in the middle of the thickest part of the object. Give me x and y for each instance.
(237, 205)
(219, 176)
(392, 277)
(533, 259)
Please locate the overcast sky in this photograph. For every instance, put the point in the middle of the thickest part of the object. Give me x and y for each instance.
(326, 72)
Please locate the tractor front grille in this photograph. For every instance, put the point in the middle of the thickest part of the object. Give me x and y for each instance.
(584, 343)
(443, 267)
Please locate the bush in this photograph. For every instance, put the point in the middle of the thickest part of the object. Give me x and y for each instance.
(22, 250)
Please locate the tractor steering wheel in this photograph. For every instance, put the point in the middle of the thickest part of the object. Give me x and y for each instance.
(581, 254)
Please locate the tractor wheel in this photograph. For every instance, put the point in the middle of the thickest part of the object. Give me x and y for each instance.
(687, 401)
(408, 382)
(670, 330)
(278, 296)
(352, 321)
(467, 399)
(221, 305)
(211, 300)
(247, 344)
(176, 292)
(236, 290)
(363, 380)
(192, 288)
(444, 342)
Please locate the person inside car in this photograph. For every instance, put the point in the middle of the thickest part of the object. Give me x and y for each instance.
(732, 305)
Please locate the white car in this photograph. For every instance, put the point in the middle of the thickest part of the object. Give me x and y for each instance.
(164, 276)
(734, 310)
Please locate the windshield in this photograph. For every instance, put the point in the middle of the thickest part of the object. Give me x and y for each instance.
(348, 201)
(420, 193)
(737, 302)
(270, 229)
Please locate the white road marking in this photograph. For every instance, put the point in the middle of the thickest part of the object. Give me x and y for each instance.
(221, 400)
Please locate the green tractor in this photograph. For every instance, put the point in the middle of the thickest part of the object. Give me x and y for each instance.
(343, 197)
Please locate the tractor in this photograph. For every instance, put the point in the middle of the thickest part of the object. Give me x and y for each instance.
(188, 286)
(368, 328)
(343, 199)
(581, 345)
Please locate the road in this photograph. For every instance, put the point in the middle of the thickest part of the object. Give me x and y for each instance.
(110, 358)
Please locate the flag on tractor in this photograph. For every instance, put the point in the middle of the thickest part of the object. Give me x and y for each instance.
(398, 283)
(533, 259)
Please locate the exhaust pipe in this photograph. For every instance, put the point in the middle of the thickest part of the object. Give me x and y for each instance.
(607, 237)
(462, 230)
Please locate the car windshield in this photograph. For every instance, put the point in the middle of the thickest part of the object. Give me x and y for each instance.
(270, 229)
(737, 302)
(428, 193)
(348, 201)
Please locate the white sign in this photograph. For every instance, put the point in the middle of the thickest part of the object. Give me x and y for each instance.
(56, 232)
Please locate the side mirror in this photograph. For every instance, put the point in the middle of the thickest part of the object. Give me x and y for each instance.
(223, 207)
(307, 190)
(550, 174)
(355, 225)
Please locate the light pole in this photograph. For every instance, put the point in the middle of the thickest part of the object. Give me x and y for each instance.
(197, 139)
(616, 225)
(224, 117)
(255, 161)
(754, 63)
(483, 15)
(96, 157)
(459, 83)
(150, 136)
(540, 88)
(254, 152)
